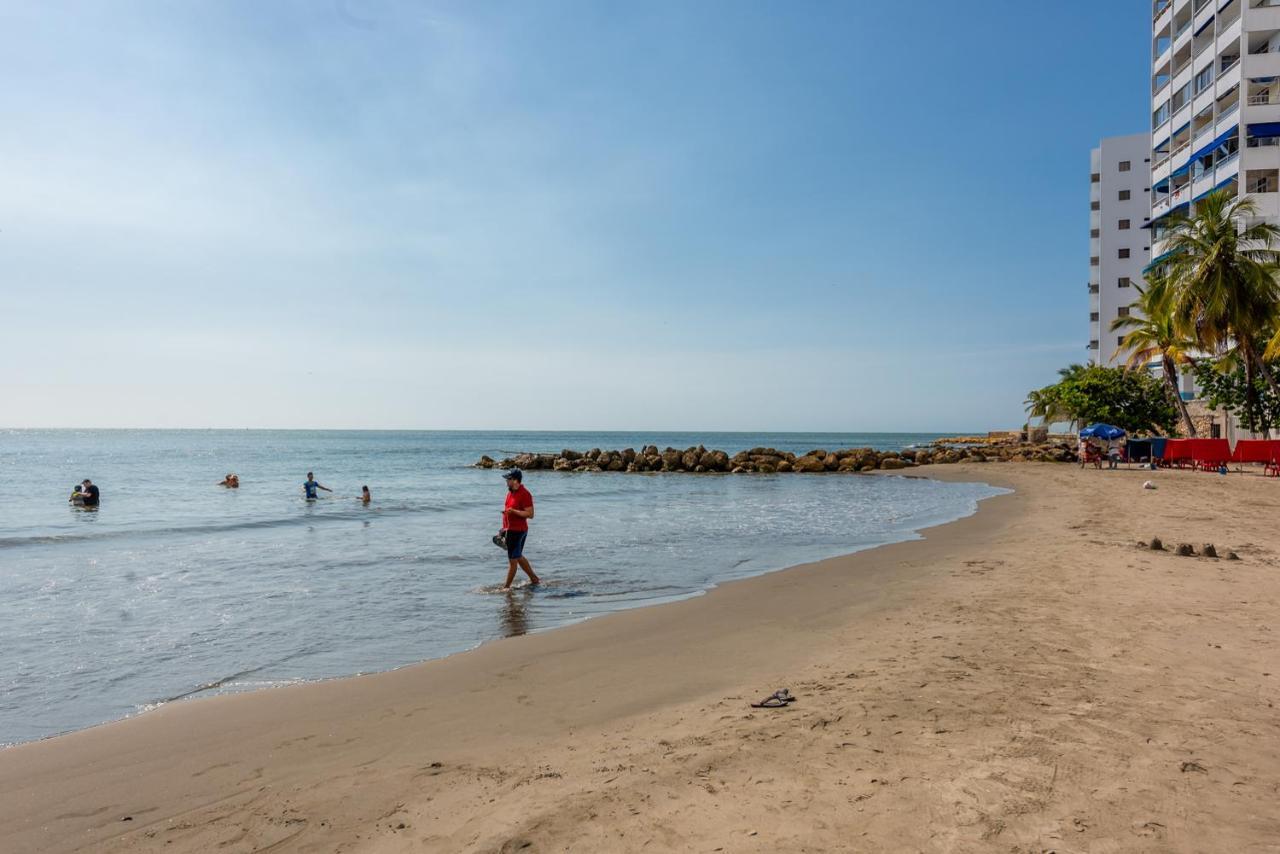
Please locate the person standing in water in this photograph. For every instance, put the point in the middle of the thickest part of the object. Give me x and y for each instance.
(515, 521)
(365, 497)
(89, 493)
(310, 487)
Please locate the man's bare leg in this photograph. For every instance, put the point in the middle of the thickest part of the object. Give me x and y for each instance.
(511, 573)
(528, 570)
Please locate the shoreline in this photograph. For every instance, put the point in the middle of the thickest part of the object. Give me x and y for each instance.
(1024, 675)
(212, 690)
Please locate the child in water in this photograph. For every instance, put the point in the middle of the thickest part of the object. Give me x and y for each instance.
(365, 497)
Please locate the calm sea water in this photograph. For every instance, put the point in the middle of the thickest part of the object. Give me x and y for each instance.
(176, 587)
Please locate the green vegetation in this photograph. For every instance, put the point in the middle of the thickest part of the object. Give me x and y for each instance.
(1213, 306)
(1085, 394)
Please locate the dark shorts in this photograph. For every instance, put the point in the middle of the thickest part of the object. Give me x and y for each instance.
(515, 544)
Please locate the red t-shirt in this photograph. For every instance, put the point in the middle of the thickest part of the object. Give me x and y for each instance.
(521, 499)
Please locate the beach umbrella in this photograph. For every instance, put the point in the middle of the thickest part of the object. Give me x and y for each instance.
(1106, 432)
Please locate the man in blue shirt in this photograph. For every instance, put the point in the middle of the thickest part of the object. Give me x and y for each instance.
(311, 486)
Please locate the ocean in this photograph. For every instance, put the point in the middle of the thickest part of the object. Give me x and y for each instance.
(175, 587)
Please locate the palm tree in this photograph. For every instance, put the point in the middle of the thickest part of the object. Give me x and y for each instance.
(1046, 404)
(1222, 287)
(1152, 337)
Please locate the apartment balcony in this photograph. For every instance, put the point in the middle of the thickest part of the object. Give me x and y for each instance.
(1203, 100)
(1228, 117)
(1202, 185)
(1229, 35)
(1263, 16)
(1228, 79)
(1181, 74)
(1163, 17)
(1204, 14)
(1261, 65)
(1182, 34)
(1161, 95)
(1227, 169)
(1161, 169)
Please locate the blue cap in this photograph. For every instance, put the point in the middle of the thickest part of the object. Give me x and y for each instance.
(514, 474)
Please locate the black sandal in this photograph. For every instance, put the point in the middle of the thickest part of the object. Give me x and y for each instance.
(776, 700)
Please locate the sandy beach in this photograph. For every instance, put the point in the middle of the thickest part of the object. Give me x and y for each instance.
(1028, 679)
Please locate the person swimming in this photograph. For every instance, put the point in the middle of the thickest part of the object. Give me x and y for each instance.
(365, 497)
(231, 481)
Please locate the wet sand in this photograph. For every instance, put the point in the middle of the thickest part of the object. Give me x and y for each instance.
(1027, 679)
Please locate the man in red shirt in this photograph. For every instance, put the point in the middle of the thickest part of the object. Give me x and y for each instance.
(515, 521)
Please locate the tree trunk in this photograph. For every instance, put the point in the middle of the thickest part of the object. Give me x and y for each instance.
(1170, 371)
(1250, 353)
(1250, 394)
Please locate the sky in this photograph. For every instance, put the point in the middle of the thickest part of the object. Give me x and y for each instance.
(827, 216)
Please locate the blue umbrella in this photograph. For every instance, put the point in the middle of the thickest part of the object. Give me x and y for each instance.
(1102, 431)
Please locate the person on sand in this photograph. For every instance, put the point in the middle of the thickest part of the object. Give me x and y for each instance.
(515, 521)
(231, 481)
(309, 488)
(365, 497)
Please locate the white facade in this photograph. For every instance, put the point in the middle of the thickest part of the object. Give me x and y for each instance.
(1215, 103)
(1119, 246)
(1215, 120)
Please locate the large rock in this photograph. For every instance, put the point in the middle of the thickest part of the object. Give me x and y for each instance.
(809, 464)
(689, 459)
(894, 463)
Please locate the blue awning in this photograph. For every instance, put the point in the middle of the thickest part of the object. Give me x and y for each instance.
(1170, 212)
(1156, 261)
(1264, 130)
(1222, 138)
(1162, 186)
(1218, 187)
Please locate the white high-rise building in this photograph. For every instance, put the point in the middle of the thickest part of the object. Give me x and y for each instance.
(1215, 83)
(1119, 246)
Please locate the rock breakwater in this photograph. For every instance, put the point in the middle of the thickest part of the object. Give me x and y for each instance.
(701, 460)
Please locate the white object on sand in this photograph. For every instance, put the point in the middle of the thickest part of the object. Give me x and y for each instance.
(1148, 485)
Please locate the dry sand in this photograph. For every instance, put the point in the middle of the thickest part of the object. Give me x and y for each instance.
(1026, 680)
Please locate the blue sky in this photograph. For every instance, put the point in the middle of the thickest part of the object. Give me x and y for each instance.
(738, 215)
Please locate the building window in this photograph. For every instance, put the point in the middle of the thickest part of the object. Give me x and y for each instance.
(1094, 178)
(1093, 232)
(1124, 195)
(1124, 225)
(1093, 317)
(1215, 431)
(1124, 282)
(1095, 206)
(1122, 311)
(1093, 345)
(1124, 253)
(1124, 165)
(1093, 262)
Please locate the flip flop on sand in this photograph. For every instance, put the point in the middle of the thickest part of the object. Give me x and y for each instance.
(776, 700)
